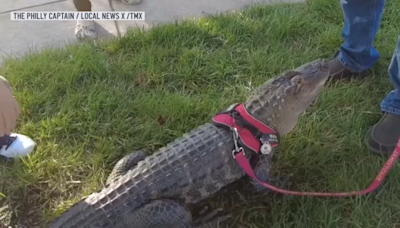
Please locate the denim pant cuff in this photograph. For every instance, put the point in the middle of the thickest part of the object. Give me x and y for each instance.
(345, 64)
(391, 110)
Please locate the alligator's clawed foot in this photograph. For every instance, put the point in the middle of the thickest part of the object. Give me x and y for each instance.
(211, 218)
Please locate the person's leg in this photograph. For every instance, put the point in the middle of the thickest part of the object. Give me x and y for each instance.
(362, 21)
(83, 5)
(131, 2)
(384, 135)
(84, 29)
(14, 145)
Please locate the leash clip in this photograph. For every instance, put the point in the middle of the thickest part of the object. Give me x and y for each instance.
(237, 149)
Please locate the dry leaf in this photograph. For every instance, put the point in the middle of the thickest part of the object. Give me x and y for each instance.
(160, 120)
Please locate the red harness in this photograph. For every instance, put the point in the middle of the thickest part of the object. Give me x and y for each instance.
(250, 134)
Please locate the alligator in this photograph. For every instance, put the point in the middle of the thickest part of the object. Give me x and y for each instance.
(155, 191)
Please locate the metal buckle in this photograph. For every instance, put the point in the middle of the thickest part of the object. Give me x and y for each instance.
(235, 141)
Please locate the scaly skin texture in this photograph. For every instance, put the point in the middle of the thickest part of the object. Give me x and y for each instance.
(156, 190)
(125, 164)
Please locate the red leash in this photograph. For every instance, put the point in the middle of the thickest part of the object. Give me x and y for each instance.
(238, 118)
(244, 163)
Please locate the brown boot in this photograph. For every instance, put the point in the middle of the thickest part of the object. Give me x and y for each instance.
(338, 70)
(382, 138)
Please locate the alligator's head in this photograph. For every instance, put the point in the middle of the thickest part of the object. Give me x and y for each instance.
(284, 98)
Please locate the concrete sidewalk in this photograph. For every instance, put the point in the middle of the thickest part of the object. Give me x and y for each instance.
(20, 37)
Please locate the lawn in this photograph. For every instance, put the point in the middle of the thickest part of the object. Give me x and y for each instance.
(88, 105)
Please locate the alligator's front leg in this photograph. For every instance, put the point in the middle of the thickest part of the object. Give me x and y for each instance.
(262, 168)
(166, 213)
(125, 164)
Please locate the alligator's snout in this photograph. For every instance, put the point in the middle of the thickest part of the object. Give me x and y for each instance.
(316, 73)
(324, 67)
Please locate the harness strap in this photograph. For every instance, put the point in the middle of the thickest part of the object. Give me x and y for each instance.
(238, 118)
(242, 124)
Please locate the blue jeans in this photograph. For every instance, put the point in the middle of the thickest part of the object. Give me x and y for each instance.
(362, 21)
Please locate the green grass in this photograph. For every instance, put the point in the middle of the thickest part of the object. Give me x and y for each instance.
(86, 106)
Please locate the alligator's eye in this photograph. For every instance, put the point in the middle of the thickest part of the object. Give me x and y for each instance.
(290, 74)
(299, 84)
(297, 80)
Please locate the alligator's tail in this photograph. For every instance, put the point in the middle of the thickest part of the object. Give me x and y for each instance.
(168, 173)
(102, 209)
